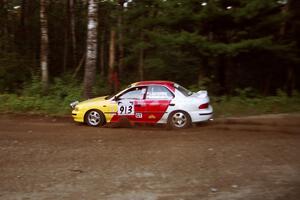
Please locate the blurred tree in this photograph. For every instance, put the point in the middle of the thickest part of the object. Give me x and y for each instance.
(44, 45)
(71, 6)
(3, 22)
(112, 74)
(289, 32)
(70, 53)
(91, 52)
(120, 37)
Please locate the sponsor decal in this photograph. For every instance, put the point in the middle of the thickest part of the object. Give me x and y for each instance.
(151, 117)
(158, 95)
(138, 115)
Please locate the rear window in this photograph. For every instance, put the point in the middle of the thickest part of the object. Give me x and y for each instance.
(183, 90)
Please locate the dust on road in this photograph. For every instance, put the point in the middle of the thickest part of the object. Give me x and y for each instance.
(240, 158)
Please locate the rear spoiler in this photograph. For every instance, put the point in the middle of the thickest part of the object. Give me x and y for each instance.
(202, 93)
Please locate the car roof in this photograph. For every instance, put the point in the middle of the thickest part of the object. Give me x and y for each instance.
(168, 84)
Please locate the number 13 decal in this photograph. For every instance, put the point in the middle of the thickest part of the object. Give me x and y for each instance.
(125, 108)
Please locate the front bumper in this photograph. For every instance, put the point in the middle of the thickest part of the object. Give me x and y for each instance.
(78, 116)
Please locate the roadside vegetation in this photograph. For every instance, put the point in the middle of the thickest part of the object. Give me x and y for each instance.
(241, 105)
(32, 100)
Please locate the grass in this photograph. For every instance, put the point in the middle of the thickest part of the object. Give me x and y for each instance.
(12, 103)
(32, 101)
(241, 106)
(61, 93)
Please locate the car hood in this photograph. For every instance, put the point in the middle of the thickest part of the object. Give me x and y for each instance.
(92, 101)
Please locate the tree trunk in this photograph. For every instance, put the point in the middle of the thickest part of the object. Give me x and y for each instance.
(290, 75)
(69, 39)
(112, 76)
(72, 29)
(66, 46)
(141, 58)
(80, 64)
(290, 82)
(120, 37)
(44, 45)
(201, 75)
(23, 35)
(266, 84)
(3, 22)
(285, 9)
(101, 54)
(222, 68)
(91, 52)
(27, 32)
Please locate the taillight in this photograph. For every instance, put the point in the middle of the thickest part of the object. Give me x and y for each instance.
(204, 106)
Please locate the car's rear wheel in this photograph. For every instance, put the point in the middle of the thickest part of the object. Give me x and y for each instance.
(95, 118)
(179, 119)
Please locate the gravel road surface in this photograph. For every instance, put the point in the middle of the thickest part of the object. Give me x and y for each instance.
(253, 158)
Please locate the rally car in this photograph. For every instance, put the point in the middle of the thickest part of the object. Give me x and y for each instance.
(161, 102)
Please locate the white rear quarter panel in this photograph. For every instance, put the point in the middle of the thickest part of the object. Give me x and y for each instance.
(190, 105)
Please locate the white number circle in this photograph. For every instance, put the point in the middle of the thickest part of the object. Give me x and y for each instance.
(125, 108)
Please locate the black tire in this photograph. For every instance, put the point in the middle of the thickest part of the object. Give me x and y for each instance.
(94, 118)
(179, 119)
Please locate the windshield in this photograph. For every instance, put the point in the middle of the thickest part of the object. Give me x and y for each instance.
(183, 90)
(117, 94)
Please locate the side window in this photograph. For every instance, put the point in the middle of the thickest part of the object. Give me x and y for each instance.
(134, 93)
(159, 92)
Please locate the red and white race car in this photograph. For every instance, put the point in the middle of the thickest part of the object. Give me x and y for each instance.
(161, 102)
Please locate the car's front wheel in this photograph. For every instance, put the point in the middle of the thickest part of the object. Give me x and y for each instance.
(179, 119)
(94, 118)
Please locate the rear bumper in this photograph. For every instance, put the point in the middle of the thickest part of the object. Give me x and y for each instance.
(202, 115)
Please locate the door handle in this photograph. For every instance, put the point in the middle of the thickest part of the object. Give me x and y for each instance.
(138, 105)
(172, 104)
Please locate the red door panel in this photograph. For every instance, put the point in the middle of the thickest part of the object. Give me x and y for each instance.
(156, 109)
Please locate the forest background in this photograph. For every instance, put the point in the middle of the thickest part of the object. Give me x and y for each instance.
(246, 53)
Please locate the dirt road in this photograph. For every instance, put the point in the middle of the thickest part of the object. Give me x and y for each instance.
(256, 158)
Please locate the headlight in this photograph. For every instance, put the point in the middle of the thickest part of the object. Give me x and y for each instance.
(76, 108)
(73, 104)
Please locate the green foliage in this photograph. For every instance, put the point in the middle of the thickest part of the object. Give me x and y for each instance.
(244, 106)
(14, 70)
(33, 87)
(203, 84)
(61, 93)
(101, 87)
(246, 93)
